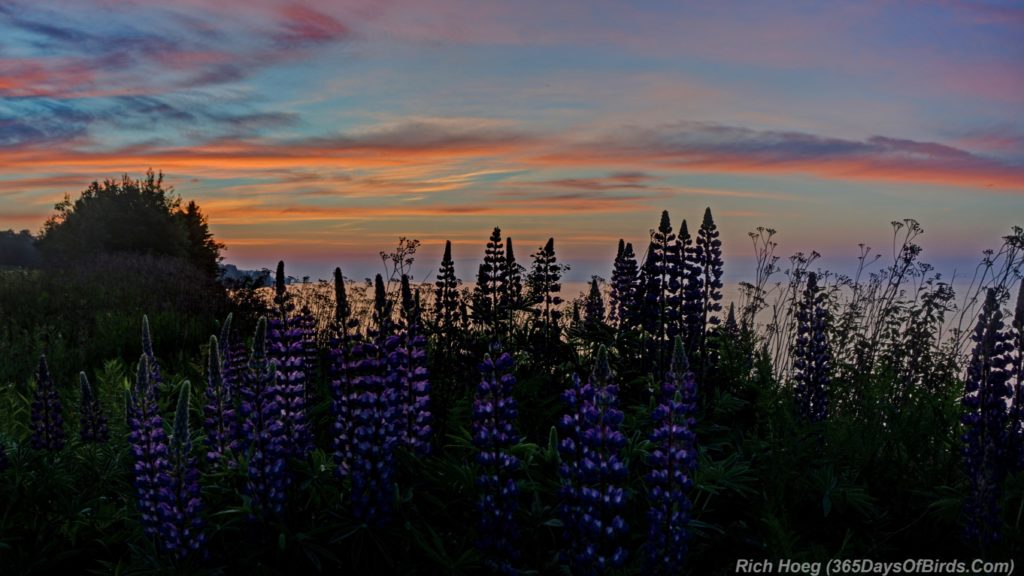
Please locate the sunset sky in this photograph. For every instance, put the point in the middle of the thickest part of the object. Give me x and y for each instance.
(319, 132)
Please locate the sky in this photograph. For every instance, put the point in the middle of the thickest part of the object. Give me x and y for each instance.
(321, 132)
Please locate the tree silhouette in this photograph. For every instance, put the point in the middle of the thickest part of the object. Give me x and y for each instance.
(129, 216)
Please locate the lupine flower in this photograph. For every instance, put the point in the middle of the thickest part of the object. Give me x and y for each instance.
(374, 436)
(489, 287)
(286, 340)
(147, 349)
(812, 356)
(407, 377)
(592, 473)
(181, 527)
(692, 297)
(342, 400)
(375, 418)
(263, 433)
(47, 422)
(511, 295)
(593, 312)
(92, 423)
(494, 433)
(985, 423)
(219, 416)
(623, 305)
(148, 442)
(662, 284)
(544, 283)
(1017, 373)
(709, 260)
(446, 293)
(673, 459)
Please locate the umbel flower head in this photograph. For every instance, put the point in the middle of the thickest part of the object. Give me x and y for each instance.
(494, 433)
(985, 424)
(47, 422)
(93, 424)
(593, 473)
(673, 459)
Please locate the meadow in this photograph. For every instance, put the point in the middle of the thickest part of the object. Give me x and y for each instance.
(153, 423)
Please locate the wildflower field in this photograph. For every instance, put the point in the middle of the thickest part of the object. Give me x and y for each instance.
(497, 424)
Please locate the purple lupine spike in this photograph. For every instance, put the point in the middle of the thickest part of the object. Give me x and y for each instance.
(708, 255)
(593, 312)
(220, 419)
(812, 356)
(692, 301)
(408, 379)
(1016, 439)
(47, 421)
(263, 432)
(986, 391)
(623, 305)
(673, 459)
(374, 437)
(234, 357)
(287, 347)
(494, 433)
(593, 473)
(147, 349)
(375, 418)
(92, 423)
(180, 531)
(148, 442)
(342, 399)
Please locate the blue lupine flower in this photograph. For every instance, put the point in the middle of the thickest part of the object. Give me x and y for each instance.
(593, 473)
(407, 376)
(93, 424)
(623, 304)
(708, 256)
(374, 434)
(148, 442)
(985, 424)
(673, 459)
(147, 348)
(1017, 373)
(220, 418)
(263, 432)
(494, 433)
(286, 340)
(47, 421)
(234, 358)
(812, 356)
(180, 531)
